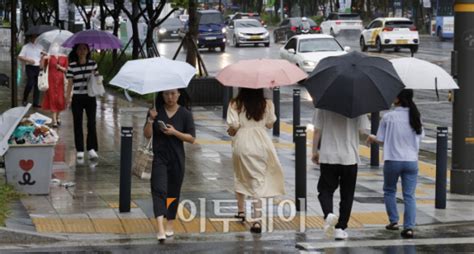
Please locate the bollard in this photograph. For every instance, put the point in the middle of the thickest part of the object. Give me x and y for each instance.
(276, 103)
(374, 148)
(226, 94)
(296, 110)
(300, 167)
(125, 169)
(441, 167)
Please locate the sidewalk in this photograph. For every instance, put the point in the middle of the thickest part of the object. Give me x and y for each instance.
(91, 205)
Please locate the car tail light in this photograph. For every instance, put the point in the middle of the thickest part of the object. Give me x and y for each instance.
(316, 28)
(338, 22)
(412, 28)
(388, 29)
(293, 28)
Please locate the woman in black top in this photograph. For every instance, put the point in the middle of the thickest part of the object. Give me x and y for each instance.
(168, 149)
(81, 67)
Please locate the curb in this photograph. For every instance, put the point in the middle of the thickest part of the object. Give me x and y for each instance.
(12, 236)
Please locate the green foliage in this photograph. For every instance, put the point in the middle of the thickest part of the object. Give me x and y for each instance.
(106, 63)
(270, 20)
(180, 4)
(7, 194)
(317, 19)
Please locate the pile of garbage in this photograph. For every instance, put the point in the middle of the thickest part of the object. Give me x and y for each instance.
(33, 131)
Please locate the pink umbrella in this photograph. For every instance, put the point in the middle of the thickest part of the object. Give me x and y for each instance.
(261, 73)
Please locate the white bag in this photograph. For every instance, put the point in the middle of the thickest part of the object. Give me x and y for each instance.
(43, 83)
(94, 86)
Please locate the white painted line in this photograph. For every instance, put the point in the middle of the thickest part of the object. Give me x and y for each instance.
(378, 243)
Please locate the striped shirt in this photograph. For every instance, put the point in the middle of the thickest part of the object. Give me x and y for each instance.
(80, 75)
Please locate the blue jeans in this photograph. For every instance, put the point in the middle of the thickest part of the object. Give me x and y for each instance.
(408, 171)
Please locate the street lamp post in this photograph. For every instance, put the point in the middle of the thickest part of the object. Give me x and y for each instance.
(13, 53)
(462, 173)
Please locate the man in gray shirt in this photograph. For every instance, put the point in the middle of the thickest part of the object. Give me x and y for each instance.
(338, 157)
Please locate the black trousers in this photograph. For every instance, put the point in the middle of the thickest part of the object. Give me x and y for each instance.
(32, 73)
(333, 175)
(166, 179)
(81, 102)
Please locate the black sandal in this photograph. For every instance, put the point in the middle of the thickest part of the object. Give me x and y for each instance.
(407, 233)
(240, 215)
(392, 226)
(255, 229)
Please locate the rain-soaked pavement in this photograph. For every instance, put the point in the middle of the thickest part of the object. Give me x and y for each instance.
(86, 214)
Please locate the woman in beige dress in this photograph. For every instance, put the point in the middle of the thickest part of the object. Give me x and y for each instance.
(257, 170)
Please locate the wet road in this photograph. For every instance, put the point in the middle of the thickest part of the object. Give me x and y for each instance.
(434, 112)
(448, 238)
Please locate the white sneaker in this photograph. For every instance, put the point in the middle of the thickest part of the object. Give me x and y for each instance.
(80, 155)
(330, 222)
(340, 234)
(93, 154)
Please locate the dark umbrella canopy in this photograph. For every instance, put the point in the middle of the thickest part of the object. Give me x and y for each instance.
(353, 84)
(39, 29)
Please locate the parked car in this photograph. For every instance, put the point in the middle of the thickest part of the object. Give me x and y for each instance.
(306, 50)
(290, 27)
(169, 29)
(247, 31)
(394, 33)
(339, 22)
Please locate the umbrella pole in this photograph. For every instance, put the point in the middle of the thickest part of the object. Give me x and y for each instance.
(436, 88)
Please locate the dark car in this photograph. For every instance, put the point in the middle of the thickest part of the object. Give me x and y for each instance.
(293, 26)
(211, 29)
(169, 29)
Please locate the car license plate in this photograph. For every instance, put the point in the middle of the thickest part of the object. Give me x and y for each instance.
(211, 38)
(402, 41)
(174, 34)
(255, 37)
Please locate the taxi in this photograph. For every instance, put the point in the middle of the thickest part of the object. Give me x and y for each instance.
(394, 33)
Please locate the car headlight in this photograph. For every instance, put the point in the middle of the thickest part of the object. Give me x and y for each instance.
(309, 63)
(162, 30)
(266, 34)
(240, 34)
(224, 30)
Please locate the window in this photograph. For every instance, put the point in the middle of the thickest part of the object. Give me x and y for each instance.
(318, 45)
(399, 24)
(291, 44)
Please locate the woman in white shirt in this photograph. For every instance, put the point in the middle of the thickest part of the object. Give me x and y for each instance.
(400, 132)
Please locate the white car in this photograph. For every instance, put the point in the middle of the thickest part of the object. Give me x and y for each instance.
(338, 22)
(394, 33)
(306, 50)
(247, 31)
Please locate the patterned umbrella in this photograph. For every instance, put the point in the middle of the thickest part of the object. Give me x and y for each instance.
(96, 39)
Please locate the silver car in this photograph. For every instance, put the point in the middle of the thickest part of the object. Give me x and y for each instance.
(247, 31)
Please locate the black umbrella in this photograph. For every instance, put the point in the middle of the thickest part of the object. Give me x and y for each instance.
(354, 84)
(39, 29)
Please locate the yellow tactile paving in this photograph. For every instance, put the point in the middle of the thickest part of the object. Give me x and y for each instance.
(138, 225)
(366, 174)
(425, 201)
(48, 225)
(108, 226)
(115, 205)
(279, 224)
(315, 222)
(427, 185)
(78, 225)
(371, 218)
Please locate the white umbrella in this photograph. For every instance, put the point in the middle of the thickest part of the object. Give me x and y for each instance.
(152, 75)
(51, 41)
(419, 74)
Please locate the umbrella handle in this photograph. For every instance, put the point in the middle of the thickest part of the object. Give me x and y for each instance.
(436, 88)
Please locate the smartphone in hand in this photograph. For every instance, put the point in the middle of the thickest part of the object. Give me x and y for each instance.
(162, 125)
